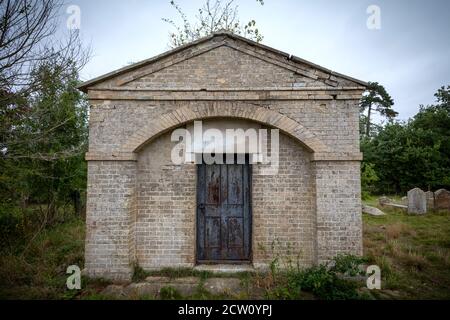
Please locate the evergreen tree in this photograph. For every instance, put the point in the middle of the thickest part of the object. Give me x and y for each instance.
(376, 99)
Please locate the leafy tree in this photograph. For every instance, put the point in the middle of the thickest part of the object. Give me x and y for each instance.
(415, 153)
(433, 124)
(368, 178)
(46, 164)
(213, 16)
(27, 41)
(42, 115)
(376, 99)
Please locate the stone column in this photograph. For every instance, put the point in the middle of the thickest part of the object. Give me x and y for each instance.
(110, 219)
(338, 208)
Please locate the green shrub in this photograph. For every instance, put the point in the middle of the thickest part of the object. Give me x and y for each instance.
(322, 281)
(10, 223)
(325, 284)
(348, 264)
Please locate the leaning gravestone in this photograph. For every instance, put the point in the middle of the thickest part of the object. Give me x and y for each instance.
(442, 199)
(430, 200)
(372, 210)
(417, 201)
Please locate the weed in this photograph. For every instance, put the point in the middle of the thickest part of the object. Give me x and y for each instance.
(322, 281)
(139, 274)
(348, 265)
(169, 293)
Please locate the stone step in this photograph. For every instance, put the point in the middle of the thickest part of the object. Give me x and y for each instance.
(225, 268)
(186, 286)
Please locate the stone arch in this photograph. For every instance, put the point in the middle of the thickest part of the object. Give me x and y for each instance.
(251, 112)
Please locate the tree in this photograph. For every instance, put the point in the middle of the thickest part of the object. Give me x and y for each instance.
(42, 115)
(376, 99)
(415, 153)
(27, 38)
(368, 179)
(213, 16)
(27, 41)
(46, 166)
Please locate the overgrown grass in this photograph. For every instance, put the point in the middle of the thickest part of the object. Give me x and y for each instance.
(37, 269)
(413, 252)
(326, 282)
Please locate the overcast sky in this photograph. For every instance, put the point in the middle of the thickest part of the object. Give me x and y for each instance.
(409, 54)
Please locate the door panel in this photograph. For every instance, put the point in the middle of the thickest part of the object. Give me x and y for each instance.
(223, 212)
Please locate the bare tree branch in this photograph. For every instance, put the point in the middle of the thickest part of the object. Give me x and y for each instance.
(27, 30)
(212, 16)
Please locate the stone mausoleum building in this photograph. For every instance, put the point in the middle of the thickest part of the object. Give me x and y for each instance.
(144, 209)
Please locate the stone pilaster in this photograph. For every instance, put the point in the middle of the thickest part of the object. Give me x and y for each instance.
(110, 218)
(338, 209)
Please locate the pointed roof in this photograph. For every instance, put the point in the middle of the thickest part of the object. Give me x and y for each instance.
(85, 85)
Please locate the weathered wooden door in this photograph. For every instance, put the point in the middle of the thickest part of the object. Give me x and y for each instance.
(223, 212)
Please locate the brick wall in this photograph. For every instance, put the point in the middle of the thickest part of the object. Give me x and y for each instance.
(165, 225)
(141, 207)
(338, 208)
(335, 122)
(283, 209)
(111, 211)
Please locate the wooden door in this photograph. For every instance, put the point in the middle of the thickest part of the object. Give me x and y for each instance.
(223, 212)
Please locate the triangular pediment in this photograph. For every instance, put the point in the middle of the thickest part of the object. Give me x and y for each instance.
(222, 61)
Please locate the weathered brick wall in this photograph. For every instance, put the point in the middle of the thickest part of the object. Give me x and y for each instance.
(111, 212)
(338, 208)
(231, 69)
(335, 122)
(225, 63)
(165, 225)
(144, 208)
(282, 208)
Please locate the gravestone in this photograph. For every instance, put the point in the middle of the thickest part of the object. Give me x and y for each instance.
(442, 199)
(417, 201)
(430, 200)
(372, 210)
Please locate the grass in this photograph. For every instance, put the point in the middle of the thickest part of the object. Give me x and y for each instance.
(412, 251)
(37, 269)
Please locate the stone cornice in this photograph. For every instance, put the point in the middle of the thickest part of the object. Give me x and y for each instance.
(348, 93)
